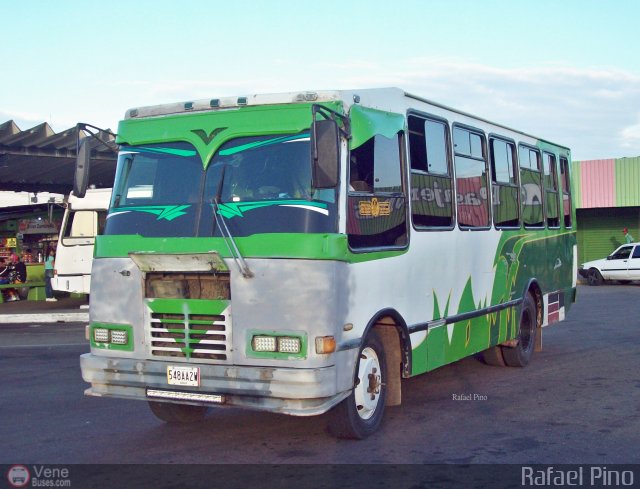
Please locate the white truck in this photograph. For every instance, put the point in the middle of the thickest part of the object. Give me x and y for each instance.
(83, 220)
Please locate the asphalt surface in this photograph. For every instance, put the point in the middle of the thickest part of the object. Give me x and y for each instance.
(64, 309)
(577, 402)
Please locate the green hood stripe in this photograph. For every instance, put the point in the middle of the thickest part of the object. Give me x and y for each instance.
(274, 245)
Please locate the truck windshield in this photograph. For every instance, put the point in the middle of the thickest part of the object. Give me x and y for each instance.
(257, 184)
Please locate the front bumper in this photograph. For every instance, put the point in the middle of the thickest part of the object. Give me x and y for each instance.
(300, 392)
(583, 273)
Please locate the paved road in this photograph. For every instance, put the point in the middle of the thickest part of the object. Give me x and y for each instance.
(576, 403)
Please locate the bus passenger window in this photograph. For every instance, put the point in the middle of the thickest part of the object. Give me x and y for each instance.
(504, 185)
(566, 191)
(431, 186)
(530, 186)
(377, 207)
(551, 190)
(471, 178)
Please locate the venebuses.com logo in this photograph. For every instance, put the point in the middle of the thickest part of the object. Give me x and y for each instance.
(38, 476)
(18, 476)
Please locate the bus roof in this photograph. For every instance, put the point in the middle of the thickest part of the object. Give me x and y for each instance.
(376, 97)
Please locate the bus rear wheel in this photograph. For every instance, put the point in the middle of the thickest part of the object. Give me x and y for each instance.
(177, 413)
(360, 414)
(493, 356)
(520, 355)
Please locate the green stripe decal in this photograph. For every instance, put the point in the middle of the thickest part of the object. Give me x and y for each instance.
(166, 212)
(186, 306)
(185, 153)
(230, 210)
(259, 144)
(272, 245)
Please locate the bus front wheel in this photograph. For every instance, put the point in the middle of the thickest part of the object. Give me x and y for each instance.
(360, 414)
(177, 413)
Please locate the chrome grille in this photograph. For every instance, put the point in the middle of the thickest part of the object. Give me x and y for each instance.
(191, 336)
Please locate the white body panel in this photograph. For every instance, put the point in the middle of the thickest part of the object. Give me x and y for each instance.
(74, 254)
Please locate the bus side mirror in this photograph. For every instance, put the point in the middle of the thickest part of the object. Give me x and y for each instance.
(83, 164)
(325, 154)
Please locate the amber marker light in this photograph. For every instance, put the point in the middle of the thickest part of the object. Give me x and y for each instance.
(325, 344)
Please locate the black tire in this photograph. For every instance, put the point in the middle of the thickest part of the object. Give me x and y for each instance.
(520, 355)
(177, 413)
(624, 282)
(594, 277)
(360, 414)
(493, 356)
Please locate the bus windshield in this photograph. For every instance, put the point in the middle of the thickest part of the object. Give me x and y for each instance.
(259, 184)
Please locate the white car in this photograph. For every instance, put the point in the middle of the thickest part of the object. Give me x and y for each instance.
(623, 265)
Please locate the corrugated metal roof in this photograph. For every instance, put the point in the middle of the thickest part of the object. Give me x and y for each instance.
(41, 160)
(627, 173)
(607, 183)
(576, 187)
(597, 179)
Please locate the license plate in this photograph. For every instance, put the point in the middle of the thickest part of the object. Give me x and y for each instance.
(187, 376)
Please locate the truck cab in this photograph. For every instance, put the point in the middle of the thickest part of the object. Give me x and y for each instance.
(83, 221)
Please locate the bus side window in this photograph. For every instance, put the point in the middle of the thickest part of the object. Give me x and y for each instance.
(431, 186)
(504, 185)
(471, 178)
(377, 206)
(566, 191)
(551, 190)
(530, 185)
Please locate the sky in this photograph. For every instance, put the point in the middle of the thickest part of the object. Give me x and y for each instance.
(566, 70)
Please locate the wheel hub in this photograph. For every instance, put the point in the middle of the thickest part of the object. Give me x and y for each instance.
(368, 384)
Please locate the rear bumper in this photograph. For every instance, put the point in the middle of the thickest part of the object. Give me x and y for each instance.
(300, 392)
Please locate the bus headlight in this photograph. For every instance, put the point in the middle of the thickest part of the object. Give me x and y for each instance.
(276, 344)
(111, 336)
(288, 344)
(101, 335)
(264, 343)
(119, 337)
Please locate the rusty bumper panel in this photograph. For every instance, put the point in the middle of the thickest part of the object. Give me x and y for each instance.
(300, 392)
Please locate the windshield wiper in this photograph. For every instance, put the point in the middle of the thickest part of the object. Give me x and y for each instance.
(221, 223)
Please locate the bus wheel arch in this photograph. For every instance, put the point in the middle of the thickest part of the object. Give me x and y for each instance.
(382, 362)
(393, 333)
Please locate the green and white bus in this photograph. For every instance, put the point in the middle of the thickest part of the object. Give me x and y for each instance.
(305, 252)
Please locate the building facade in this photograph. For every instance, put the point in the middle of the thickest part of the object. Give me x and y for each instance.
(607, 199)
